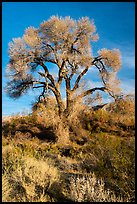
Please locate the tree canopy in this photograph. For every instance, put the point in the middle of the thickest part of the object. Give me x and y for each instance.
(66, 43)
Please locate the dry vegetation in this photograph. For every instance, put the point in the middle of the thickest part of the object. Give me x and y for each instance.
(97, 165)
(66, 151)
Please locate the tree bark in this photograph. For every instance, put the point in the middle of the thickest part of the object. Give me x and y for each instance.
(60, 104)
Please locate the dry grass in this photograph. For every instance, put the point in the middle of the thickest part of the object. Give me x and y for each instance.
(6, 189)
(30, 181)
(89, 189)
(32, 176)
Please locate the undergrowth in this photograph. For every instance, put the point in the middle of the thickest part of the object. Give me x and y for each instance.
(36, 167)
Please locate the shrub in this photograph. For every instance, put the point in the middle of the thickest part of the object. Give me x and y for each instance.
(118, 118)
(112, 158)
(31, 180)
(95, 145)
(90, 189)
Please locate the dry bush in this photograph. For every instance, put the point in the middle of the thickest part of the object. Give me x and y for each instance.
(89, 189)
(46, 112)
(31, 180)
(11, 156)
(124, 106)
(122, 115)
(116, 118)
(19, 126)
(25, 179)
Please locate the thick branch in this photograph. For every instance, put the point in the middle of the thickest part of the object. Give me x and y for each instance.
(49, 76)
(61, 72)
(77, 38)
(67, 80)
(53, 87)
(90, 91)
(49, 87)
(74, 68)
(16, 88)
(103, 80)
(72, 73)
(31, 82)
(68, 92)
(79, 78)
(42, 94)
(96, 59)
(54, 52)
(36, 87)
(102, 69)
(59, 102)
(74, 50)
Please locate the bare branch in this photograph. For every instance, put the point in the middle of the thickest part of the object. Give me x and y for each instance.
(42, 74)
(36, 87)
(50, 86)
(41, 95)
(74, 50)
(90, 91)
(73, 70)
(101, 74)
(72, 73)
(49, 76)
(96, 59)
(54, 52)
(110, 92)
(77, 38)
(61, 74)
(79, 78)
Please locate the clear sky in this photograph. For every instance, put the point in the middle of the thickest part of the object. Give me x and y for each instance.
(115, 22)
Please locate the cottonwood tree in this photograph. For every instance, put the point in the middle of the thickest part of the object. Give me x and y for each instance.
(66, 44)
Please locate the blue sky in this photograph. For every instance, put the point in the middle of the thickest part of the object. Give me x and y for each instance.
(115, 22)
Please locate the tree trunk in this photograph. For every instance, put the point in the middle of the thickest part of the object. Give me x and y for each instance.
(60, 104)
(61, 128)
(62, 131)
